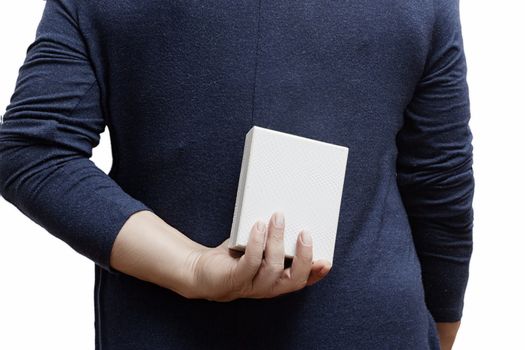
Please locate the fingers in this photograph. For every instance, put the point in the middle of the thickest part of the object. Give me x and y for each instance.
(302, 261)
(260, 271)
(296, 277)
(273, 262)
(250, 262)
(320, 269)
(274, 250)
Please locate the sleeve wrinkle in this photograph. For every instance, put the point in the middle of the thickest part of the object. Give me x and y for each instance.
(51, 125)
(435, 168)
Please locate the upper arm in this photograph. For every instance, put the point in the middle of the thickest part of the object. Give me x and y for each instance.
(434, 167)
(55, 80)
(49, 129)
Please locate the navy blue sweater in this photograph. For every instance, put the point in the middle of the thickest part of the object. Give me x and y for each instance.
(179, 83)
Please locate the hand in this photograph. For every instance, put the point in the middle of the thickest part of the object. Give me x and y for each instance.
(447, 333)
(222, 274)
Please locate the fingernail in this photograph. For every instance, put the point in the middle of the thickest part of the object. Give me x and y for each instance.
(260, 226)
(306, 238)
(279, 220)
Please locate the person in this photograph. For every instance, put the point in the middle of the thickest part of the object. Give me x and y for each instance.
(178, 84)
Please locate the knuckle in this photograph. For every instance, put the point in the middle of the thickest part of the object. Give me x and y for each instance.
(275, 266)
(297, 285)
(272, 267)
(299, 281)
(305, 258)
(253, 261)
(308, 255)
(277, 235)
(257, 241)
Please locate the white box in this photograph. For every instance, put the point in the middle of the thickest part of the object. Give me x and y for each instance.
(300, 176)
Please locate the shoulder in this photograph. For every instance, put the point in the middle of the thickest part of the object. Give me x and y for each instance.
(446, 16)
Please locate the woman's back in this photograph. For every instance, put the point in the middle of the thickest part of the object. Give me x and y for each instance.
(180, 83)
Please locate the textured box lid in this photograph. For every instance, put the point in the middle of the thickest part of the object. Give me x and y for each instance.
(300, 176)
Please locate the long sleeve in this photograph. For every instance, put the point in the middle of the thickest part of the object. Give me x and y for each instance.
(53, 121)
(434, 168)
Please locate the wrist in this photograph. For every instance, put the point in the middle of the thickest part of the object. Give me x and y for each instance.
(151, 250)
(185, 281)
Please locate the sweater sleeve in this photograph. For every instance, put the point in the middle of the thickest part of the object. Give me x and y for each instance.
(434, 168)
(50, 126)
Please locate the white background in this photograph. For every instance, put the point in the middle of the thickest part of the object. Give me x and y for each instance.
(47, 288)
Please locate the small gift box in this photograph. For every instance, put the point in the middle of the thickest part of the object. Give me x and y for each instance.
(299, 176)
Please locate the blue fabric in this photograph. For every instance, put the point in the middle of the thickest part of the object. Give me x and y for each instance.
(179, 83)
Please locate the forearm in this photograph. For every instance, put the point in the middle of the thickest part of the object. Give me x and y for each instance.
(447, 333)
(151, 250)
